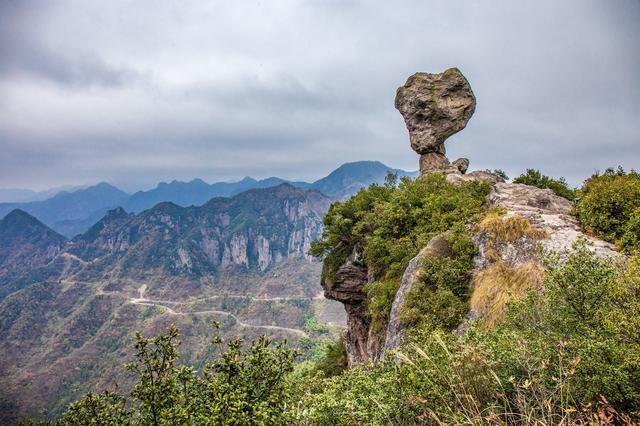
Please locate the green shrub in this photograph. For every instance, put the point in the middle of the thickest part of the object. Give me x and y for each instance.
(439, 300)
(334, 361)
(238, 386)
(608, 203)
(630, 239)
(535, 178)
(380, 295)
(389, 224)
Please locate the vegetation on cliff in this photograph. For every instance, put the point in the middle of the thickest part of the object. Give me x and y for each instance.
(567, 355)
(387, 225)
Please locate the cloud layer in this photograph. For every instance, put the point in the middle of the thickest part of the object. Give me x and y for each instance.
(138, 92)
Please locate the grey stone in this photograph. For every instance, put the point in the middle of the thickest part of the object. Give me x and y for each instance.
(434, 107)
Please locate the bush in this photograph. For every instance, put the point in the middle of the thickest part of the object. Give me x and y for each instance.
(609, 205)
(439, 300)
(567, 355)
(239, 386)
(389, 224)
(535, 178)
(334, 360)
(630, 239)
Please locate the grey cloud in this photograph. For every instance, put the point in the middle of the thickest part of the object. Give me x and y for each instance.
(25, 52)
(151, 91)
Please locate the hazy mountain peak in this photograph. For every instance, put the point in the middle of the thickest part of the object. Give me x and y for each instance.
(349, 178)
(19, 225)
(247, 179)
(75, 212)
(18, 216)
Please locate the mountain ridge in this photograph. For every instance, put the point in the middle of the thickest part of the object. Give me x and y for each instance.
(72, 213)
(240, 260)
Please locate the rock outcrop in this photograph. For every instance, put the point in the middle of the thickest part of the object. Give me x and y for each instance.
(347, 287)
(438, 247)
(548, 212)
(434, 107)
(533, 222)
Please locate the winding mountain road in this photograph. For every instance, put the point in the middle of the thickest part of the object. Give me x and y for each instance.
(142, 301)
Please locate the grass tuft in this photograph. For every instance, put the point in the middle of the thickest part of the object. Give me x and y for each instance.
(510, 229)
(496, 286)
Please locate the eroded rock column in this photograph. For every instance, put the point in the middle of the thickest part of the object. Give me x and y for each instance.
(347, 287)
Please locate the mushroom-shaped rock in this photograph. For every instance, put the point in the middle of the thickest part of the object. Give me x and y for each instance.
(434, 107)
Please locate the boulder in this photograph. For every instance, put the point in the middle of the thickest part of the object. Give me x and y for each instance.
(434, 107)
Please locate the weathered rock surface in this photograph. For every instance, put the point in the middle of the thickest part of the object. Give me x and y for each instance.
(478, 175)
(437, 247)
(546, 211)
(434, 107)
(347, 287)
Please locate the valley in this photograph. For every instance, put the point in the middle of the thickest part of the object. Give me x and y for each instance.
(69, 309)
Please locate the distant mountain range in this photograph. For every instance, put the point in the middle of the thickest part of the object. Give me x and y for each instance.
(17, 195)
(69, 308)
(72, 213)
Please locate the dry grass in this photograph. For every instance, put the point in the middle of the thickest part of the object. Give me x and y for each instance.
(499, 284)
(510, 229)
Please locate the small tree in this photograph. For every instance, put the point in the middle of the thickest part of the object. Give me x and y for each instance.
(558, 186)
(239, 386)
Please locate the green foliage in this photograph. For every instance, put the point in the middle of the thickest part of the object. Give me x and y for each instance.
(389, 224)
(107, 408)
(609, 206)
(630, 239)
(501, 173)
(439, 300)
(311, 324)
(239, 386)
(334, 360)
(576, 311)
(498, 172)
(568, 355)
(535, 178)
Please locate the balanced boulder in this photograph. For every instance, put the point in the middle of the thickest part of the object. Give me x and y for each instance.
(434, 107)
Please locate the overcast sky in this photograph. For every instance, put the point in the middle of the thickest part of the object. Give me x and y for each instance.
(135, 92)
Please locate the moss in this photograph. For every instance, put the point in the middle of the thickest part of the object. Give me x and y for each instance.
(498, 285)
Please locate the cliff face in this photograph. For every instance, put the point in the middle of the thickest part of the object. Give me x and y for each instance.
(252, 230)
(347, 287)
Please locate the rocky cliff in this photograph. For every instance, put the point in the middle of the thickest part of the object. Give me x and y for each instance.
(523, 224)
(255, 229)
